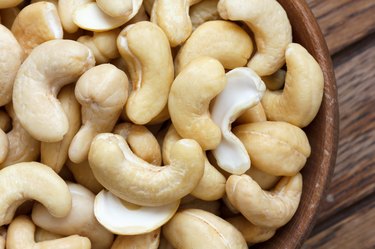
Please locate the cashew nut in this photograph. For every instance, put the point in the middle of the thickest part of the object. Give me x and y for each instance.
(275, 81)
(9, 3)
(10, 61)
(141, 141)
(143, 241)
(4, 146)
(277, 148)
(264, 180)
(35, 24)
(252, 115)
(243, 90)
(191, 93)
(44, 235)
(8, 16)
(83, 175)
(34, 181)
(192, 228)
(21, 236)
(222, 40)
(102, 91)
(116, 167)
(212, 184)
(49, 67)
(300, 100)
(271, 27)
(120, 8)
(262, 208)
(80, 220)
(146, 50)
(203, 12)
(253, 234)
(66, 10)
(55, 154)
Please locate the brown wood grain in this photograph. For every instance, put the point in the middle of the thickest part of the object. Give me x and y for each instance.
(344, 22)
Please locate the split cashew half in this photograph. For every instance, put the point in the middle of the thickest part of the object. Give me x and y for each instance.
(134, 180)
(35, 24)
(173, 18)
(120, 8)
(9, 3)
(34, 181)
(49, 67)
(300, 100)
(192, 228)
(271, 27)
(262, 208)
(21, 234)
(203, 12)
(222, 40)
(149, 240)
(66, 10)
(83, 175)
(191, 93)
(244, 90)
(10, 61)
(146, 51)
(102, 92)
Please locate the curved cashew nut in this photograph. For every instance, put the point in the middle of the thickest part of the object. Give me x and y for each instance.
(277, 148)
(264, 180)
(275, 81)
(243, 90)
(253, 234)
(102, 44)
(262, 208)
(22, 146)
(21, 236)
(146, 50)
(203, 12)
(143, 241)
(132, 179)
(35, 24)
(49, 67)
(66, 10)
(252, 115)
(10, 61)
(141, 141)
(272, 35)
(56, 154)
(34, 181)
(212, 184)
(9, 3)
(80, 220)
(83, 175)
(8, 16)
(222, 40)
(120, 8)
(191, 229)
(102, 91)
(302, 96)
(4, 146)
(190, 97)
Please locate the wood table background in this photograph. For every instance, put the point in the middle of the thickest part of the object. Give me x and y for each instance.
(347, 216)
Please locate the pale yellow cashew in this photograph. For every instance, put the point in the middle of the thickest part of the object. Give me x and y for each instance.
(8, 16)
(262, 208)
(143, 241)
(192, 228)
(83, 175)
(134, 180)
(141, 141)
(300, 100)
(191, 93)
(102, 92)
(264, 180)
(56, 154)
(172, 16)
(44, 235)
(9, 3)
(203, 12)
(119, 8)
(275, 81)
(80, 220)
(66, 10)
(102, 44)
(21, 236)
(212, 185)
(252, 115)
(222, 40)
(34, 181)
(48, 68)
(271, 27)
(146, 51)
(10, 61)
(277, 148)
(4, 146)
(35, 24)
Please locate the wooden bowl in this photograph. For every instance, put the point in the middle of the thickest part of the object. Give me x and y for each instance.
(322, 132)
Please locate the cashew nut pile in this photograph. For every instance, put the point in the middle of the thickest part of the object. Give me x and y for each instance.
(151, 124)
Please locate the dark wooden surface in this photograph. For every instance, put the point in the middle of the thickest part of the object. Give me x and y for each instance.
(347, 217)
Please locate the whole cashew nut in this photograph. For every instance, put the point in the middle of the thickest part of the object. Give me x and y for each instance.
(143, 241)
(272, 35)
(300, 100)
(134, 180)
(66, 10)
(21, 236)
(173, 18)
(83, 175)
(120, 8)
(252, 115)
(49, 67)
(203, 12)
(34, 181)
(191, 93)
(192, 228)
(262, 208)
(222, 40)
(9, 3)
(10, 61)
(146, 50)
